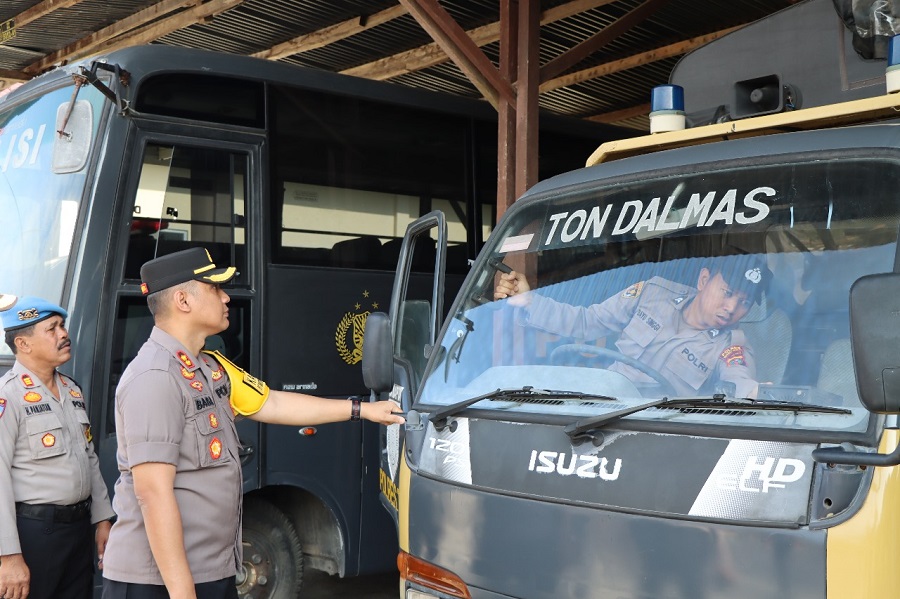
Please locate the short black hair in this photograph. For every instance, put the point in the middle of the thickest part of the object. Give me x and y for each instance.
(20, 332)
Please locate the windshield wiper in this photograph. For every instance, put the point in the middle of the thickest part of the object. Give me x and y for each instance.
(718, 401)
(439, 418)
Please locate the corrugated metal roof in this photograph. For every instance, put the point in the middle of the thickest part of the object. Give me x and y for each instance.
(258, 25)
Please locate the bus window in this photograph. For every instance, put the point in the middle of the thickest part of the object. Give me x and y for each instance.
(340, 200)
(189, 197)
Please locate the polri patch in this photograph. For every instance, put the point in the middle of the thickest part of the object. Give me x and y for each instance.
(633, 291)
(48, 440)
(734, 356)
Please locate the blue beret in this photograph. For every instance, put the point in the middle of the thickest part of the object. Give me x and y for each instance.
(18, 312)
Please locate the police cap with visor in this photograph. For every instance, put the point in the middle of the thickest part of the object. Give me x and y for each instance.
(745, 273)
(19, 312)
(194, 264)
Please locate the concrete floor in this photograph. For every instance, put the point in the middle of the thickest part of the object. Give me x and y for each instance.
(318, 585)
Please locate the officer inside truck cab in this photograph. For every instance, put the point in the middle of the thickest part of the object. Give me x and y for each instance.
(687, 334)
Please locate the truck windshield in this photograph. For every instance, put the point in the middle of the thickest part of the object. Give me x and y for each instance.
(731, 282)
(42, 180)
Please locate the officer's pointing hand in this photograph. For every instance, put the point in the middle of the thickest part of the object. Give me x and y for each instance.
(381, 412)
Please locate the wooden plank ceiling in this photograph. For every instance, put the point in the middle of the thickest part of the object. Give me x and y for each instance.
(598, 59)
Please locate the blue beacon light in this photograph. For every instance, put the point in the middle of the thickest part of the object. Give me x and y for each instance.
(892, 73)
(667, 108)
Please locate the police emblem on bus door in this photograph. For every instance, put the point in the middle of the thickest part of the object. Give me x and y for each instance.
(348, 336)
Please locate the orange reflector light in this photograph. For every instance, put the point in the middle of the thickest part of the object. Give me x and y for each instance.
(308, 431)
(428, 575)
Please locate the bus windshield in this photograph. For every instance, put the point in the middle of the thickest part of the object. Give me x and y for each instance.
(42, 180)
(725, 284)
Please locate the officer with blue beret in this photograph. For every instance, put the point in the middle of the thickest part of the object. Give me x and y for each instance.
(52, 497)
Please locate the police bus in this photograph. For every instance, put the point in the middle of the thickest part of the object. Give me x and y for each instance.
(672, 373)
(305, 181)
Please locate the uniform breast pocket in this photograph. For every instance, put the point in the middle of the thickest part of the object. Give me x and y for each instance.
(211, 435)
(45, 436)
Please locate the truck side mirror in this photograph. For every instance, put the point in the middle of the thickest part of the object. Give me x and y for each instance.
(378, 353)
(874, 331)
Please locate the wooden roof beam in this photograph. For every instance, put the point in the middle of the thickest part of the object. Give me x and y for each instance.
(571, 57)
(435, 20)
(331, 34)
(88, 44)
(630, 62)
(41, 9)
(620, 115)
(432, 54)
(155, 30)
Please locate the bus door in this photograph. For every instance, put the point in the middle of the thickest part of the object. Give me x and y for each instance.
(414, 321)
(178, 192)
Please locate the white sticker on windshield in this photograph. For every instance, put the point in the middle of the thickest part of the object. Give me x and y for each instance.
(516, 243)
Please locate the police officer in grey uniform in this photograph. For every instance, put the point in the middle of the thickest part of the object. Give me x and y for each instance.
(178, 497)
(687, 334)
(51, 491)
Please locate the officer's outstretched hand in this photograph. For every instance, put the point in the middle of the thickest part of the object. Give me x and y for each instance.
(381, 412)
(513, 285)
(15, 577)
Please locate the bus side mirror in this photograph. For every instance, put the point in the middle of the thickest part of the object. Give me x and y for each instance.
(874, 332)
(73, 136)
(378, 353)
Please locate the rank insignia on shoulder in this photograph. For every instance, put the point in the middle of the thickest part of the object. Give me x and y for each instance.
(634, 290)
(27, 381)
(32, 397)
(185, 359)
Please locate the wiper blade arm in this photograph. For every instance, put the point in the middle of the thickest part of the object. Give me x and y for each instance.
(580, 427)
(718, 402)
(439, 418)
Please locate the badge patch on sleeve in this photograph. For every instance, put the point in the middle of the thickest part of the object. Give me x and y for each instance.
(2, 406)
(88, 435)
(734, 356)
(633, 291)
(215, 448)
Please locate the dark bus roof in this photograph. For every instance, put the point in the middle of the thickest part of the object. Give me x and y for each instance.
(156, 59)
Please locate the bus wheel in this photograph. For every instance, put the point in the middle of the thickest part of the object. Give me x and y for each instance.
(273, 560)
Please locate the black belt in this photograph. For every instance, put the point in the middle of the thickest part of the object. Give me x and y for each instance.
(57, 513)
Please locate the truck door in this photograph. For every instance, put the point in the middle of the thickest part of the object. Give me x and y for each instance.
(182, 191)
(415, 318)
